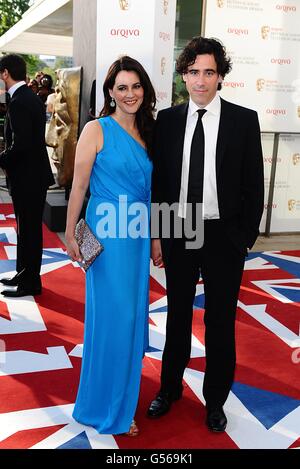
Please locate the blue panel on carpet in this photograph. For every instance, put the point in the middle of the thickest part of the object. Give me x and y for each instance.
(162, 309)
(53, 256)
(152, 349)
(80, 441)
(291, 294)
(3, 238)
(291, 267)
(199, 301)
(268, 407)
(7, 265)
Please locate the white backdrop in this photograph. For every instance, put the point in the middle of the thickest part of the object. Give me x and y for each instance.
(143, 29)
(286, 200)
(263, 39)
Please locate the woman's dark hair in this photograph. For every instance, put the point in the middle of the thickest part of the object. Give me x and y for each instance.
(47, 81)
(144, 116)
(202, 45)
(15, 65)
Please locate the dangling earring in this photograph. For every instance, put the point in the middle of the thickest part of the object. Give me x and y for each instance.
(112, 103)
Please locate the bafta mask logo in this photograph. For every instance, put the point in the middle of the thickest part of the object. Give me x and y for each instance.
(63, 128)
(163, 63)
(165, 6)
(220, 3)
(260, 83)
(291, 204)
(265, 32)
(296, 158)
(298, 111)
(124, 4)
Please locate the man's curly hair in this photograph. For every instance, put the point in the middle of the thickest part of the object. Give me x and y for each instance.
(201, 45)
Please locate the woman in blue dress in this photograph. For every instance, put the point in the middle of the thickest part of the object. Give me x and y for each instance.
(112, 157)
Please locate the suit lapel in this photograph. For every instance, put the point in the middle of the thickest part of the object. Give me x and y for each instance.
(225, 132)
(7, 128)
(178, 131)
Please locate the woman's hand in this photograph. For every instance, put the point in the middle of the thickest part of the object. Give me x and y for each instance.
(156, 254)
(72, 248)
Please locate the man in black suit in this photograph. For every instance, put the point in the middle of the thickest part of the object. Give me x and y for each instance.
(206, 153)
(26, 164)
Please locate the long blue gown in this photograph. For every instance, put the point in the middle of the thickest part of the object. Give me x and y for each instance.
(117, 283)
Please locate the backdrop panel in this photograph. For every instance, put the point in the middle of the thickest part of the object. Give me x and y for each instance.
(263, 39)
(142, 29)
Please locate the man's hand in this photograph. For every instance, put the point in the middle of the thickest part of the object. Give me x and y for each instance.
(156, 254)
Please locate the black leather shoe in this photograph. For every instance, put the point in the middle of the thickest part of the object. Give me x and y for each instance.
(20, 291)
(216, 419)
(14, 281)
(161, 404)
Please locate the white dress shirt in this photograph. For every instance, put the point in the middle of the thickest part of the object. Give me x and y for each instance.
(210, 122)
(14, 88)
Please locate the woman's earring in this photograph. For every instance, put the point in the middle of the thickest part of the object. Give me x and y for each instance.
(112, 103)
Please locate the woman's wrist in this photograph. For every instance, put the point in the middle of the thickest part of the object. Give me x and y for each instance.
(69, 234)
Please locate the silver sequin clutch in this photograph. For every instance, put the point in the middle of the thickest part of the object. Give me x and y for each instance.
(89, 245)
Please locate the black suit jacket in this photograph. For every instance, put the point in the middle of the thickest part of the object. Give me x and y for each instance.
(25, 159)
(239, 167)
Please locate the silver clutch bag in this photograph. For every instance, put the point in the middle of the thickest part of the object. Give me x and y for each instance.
(89, 245)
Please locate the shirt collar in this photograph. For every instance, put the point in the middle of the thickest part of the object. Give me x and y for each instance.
(214, 107)
(13, 88)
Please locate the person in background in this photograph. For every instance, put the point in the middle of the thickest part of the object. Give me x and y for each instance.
(213, 162)
(50, 105)
(33, 84)
(38, 76)
(45, 88)
(26, 164)
(113, 157)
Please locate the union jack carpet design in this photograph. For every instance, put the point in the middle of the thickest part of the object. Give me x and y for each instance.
(41, 348)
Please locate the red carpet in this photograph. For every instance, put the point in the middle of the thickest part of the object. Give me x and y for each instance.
(40, 370)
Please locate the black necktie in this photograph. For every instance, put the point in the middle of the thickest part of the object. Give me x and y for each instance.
(196, 172)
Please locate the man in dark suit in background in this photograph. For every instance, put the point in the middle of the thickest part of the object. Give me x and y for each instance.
(26, 164)
(206, 152)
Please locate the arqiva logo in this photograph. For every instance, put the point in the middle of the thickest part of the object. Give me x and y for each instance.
(273, 205)
(269, 159)
(238, 31)
(276, 112)
(234, 84)
(286, 8)
(281, 61)
(125, 32)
